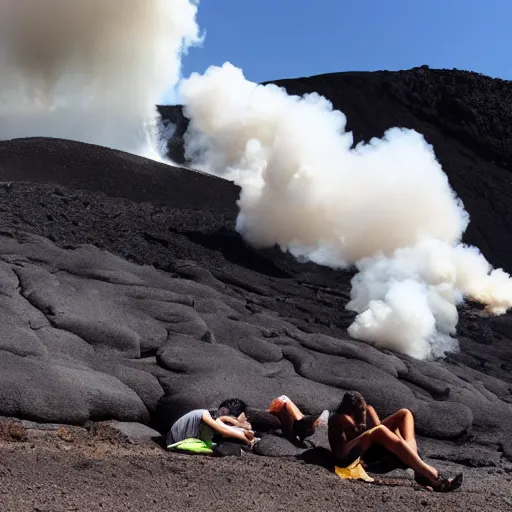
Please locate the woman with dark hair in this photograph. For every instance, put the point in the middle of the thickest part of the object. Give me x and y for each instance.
(351, 438)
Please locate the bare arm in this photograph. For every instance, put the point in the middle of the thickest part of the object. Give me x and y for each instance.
(339, 432)
(374, 417)
(341, 437)
(353, 443)
(233, 421)
(223, 430)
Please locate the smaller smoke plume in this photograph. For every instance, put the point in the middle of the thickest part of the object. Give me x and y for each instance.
(385, 206)
(90, 70)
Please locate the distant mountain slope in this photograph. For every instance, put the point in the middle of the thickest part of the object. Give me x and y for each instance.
(467, 117)
(115, 173)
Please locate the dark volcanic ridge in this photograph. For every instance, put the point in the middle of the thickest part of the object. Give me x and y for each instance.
(128, 295)
(464, 115)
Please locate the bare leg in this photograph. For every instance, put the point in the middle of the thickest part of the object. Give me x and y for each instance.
(395, 444)
(293, 410)
(402, 423)
(288, 414)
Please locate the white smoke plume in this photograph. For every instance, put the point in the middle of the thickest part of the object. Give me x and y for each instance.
(385, 206)
(90, 70)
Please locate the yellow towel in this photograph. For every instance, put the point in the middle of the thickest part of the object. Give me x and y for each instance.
(354, 471)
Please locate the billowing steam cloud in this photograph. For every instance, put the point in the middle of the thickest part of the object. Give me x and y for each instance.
(93, 70)
(385, 206)
(90, 70)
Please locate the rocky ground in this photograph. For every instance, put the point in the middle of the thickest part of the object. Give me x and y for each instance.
(126, 294)
(74, 469)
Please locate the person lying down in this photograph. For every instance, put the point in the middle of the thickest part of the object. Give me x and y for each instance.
(294, 424)
(195, 431)
(355, 432)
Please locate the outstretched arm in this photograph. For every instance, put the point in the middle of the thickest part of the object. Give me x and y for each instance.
(222, 429)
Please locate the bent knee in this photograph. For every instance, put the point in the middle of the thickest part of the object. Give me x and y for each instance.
(379, 431)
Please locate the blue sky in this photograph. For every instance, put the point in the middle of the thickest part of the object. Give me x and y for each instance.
(273, 39)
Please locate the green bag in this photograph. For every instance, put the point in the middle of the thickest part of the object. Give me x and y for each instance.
(192, 445)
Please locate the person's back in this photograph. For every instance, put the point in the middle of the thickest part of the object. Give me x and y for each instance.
(191, 425)
(336, 435)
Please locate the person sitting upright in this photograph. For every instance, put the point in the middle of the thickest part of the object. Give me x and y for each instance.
(199, 424)
(350, 439)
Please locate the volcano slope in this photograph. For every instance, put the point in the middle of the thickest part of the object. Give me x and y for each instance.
(126, 293)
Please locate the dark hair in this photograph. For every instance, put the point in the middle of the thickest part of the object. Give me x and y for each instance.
(353, 403)
(232, 407)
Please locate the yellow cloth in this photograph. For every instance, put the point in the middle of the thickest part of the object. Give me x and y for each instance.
(354, 471)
